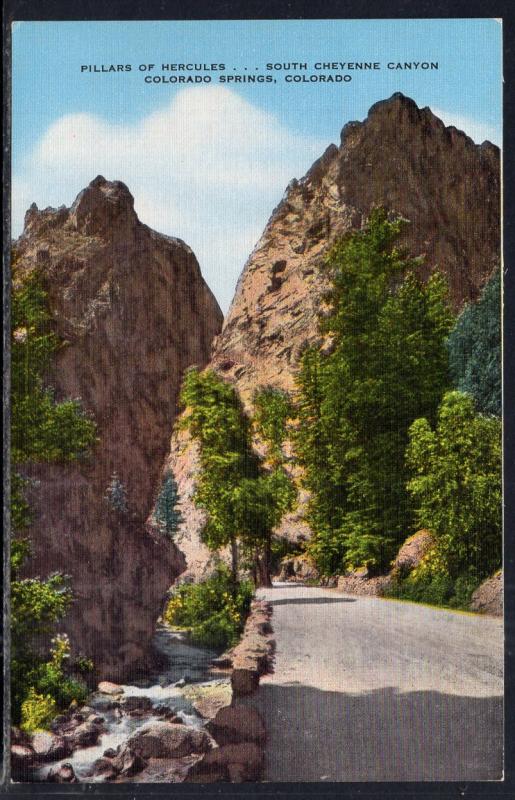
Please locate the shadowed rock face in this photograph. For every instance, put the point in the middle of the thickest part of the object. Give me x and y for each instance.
(133, 311)
(401, 157)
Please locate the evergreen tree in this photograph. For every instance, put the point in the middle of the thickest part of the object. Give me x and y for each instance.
(116, 495)
(475, 349)
(355, 406)
(166, 514)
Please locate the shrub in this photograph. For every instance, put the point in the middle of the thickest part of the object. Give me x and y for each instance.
(37, 711)
(213, 612)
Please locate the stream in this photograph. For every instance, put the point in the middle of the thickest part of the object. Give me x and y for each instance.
(186, 665)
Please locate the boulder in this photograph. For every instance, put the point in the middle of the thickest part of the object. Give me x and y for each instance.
(127, 762)
(488, 598)
(231, 762)
(84, 735)
(62, 774)
(236, 724)
(168, 740)
(412, 552)
(136, 703)
(22, 759)
(107, 687)
(105, 702)
(298, 568)
(360, 582)
(103, 768)
(50, 747)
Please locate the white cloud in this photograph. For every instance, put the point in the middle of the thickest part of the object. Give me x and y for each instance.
(478, 131)
(209, 168)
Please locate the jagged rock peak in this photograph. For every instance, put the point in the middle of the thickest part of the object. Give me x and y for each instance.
(400, 111)
(103, 207)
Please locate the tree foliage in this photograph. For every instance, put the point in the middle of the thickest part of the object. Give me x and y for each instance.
(475, 349)
(456, 484)
(166, 514)
(388, 366)
(243, 501)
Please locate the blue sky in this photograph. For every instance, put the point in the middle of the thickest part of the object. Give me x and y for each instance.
(209, 163)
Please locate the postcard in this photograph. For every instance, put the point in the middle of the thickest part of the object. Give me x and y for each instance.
(256, 482)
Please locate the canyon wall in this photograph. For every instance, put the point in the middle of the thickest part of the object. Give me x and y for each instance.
(402, 157)
(132, 311)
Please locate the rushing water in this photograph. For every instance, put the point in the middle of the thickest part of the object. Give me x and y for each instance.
(185, 665)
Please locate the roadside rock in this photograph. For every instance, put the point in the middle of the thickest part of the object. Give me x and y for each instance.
(231, 762)
(298, 568)
(360, 582)
(412, 552)
(168, 740)
(252, 655)
(237, 724)
(489, 597)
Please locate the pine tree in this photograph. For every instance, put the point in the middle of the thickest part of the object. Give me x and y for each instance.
(116, 495)
(166, 514)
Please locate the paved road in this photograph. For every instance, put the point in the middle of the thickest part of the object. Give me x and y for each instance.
(369, 689)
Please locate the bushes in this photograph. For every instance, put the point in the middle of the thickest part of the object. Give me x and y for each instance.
(457, 491)
(213, 611)
(37, 711)
(41, 688)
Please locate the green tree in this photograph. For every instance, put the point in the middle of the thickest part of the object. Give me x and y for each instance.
(475, 349)
(215, 418)
(387, 363)
(42, 430)
(265, 502)
(456, 484)
(242, 498)
(167, 515)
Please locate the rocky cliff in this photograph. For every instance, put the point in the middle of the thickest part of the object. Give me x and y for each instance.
(402, 157)
(132, 311)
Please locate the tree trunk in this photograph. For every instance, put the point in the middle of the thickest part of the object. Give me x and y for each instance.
(234, 564)
(263, 564)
